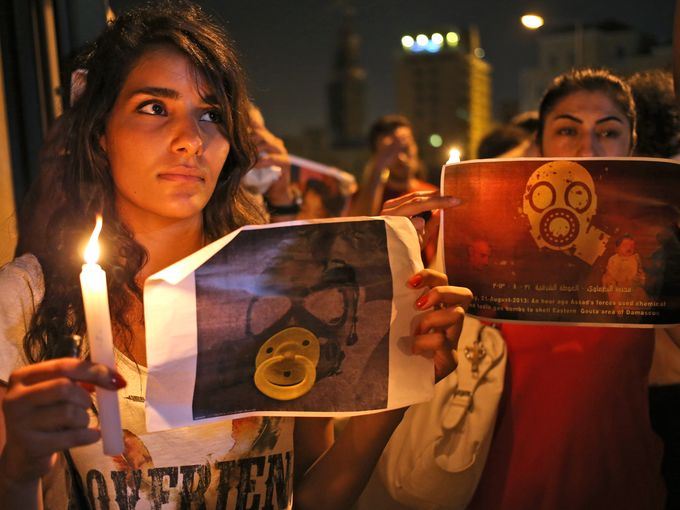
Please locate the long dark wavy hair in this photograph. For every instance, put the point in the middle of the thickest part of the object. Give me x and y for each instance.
(76, 183)
(658, 114)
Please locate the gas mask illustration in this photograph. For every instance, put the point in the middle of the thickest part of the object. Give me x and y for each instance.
(283, 312)
(560, 203)
(302, 331)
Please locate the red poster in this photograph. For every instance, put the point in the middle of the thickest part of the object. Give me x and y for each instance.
(586, 241)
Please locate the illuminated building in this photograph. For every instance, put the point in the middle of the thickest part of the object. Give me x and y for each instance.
(346, 91)
(608, 44)
(444, 88)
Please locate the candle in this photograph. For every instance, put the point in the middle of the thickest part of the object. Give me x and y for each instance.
(454, 155)
(98, 319)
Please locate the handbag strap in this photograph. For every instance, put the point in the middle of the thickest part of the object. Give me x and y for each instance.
(477, 356)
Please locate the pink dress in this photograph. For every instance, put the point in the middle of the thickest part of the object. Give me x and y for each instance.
(573, 428)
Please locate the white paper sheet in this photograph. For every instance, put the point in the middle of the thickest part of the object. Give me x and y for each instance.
(173, 323)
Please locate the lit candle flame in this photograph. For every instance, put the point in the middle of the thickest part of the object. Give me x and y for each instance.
(454, 155)
(92, 250)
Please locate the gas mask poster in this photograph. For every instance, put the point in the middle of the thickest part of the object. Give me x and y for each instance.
(302, 318)
(582, 241)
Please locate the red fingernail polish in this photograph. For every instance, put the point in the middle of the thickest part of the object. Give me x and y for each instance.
(415, 280)
(422, 301)
(88, 387)
(118, 381)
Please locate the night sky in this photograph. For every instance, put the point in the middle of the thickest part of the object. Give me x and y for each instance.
(287, 46)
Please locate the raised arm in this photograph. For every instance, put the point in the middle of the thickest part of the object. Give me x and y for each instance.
(332, 475)
(369, 199)
(338, 477)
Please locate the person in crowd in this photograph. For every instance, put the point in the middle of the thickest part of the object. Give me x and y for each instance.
(500, 140)
(658, 129)
(573, 428)
(393, 168)
(526, 121)
(658, 115)
(275, 181)
(393, 171)
(319, 200)
(270, 178)
(158, 142)
(516, 139)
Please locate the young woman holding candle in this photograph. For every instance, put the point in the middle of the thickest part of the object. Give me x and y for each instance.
(158, 142)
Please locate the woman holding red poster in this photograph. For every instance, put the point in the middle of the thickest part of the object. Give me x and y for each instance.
(573, 427)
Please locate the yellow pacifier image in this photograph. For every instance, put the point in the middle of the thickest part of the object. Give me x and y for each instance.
(285, 366)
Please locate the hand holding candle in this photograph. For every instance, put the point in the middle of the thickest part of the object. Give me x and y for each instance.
(96, 303)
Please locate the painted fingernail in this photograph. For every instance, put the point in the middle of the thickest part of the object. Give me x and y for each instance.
(415, 280)
(87, 387)
(422, 301)
(118, 381)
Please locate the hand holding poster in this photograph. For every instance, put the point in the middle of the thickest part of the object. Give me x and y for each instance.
(287, 319)
(566, 240)
(326, 191)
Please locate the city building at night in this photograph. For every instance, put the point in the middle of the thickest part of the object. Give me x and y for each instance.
(444, 87)
(342, 142)
(609, 44)
(347, 89)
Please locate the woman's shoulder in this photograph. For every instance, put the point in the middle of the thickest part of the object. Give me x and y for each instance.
(22, 288)
(26, 261)
(22, 274)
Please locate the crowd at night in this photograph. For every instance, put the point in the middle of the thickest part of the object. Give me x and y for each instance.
(339, 255)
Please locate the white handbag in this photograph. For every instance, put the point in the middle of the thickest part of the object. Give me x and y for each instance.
(436, 456)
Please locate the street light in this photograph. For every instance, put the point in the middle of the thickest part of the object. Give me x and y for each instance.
(534, 21)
